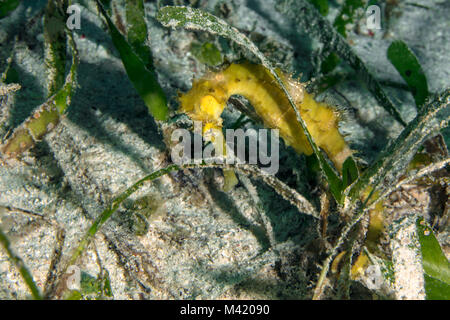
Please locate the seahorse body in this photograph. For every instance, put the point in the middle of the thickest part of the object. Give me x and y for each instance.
(207, 99)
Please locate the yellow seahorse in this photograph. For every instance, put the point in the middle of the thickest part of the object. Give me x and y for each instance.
(207, 99)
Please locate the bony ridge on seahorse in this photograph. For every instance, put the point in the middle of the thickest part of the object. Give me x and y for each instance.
(208, 97)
